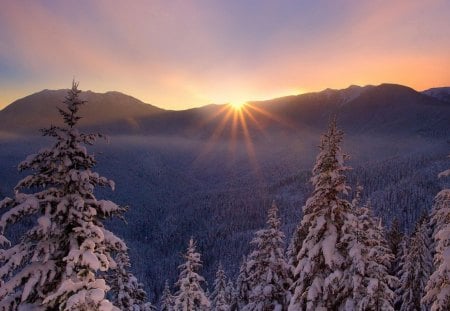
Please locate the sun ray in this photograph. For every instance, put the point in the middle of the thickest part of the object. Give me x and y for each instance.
(271, 116)
(242, 120)
(223, 109)
(234, 130)
(212, 140)
(253, 119)
(249, 144)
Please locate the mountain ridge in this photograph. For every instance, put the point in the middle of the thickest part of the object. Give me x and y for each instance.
(383, 108)
(38, 110)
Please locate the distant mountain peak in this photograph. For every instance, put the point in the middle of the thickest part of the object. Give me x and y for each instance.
(344, 96)
(38, 110)
(441, 93)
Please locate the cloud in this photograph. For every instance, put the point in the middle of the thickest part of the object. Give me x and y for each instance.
(179, 54)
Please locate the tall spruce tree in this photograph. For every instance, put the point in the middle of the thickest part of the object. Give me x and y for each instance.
(218, 296)
(324, 273)
(438, 286)
(61, 261)
(294, 248)
(372, 258)
(230, 297)
(416, 269)
(190, 295)
(126, 292)
(267, 267)
(242, 290)
(167, 300)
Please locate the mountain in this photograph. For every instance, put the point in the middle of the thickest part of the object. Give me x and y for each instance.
(441, 93)
(38, 110)
(383, 109)
(387, 108)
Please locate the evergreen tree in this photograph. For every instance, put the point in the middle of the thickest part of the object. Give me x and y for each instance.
(62, 259)
(242, 290)
(394, 239)
(167, 300)
(294, 248)
(267, 267)
(372, 260)
(324, 273)
(127, 293)
(438, 286)
(401, 264)
(218, 297)
(416, 270)
(230, 294)
(190, 295)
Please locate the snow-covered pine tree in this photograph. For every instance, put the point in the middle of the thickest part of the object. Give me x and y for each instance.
(324, 273)
(126, 292)
(372, 258)
(61, 260)
(218, 296)
(267, 268)
(167, 300)
(416, 269)
(230, 294)
(294, 248)
(438, 287)
(242, 290)
(190, 295)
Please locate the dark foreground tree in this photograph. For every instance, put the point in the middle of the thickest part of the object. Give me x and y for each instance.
(61, 262)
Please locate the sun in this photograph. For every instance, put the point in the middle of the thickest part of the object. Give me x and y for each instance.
(237, 105)
(236, 124)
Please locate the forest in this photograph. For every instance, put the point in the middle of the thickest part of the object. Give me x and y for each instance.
(330, 238)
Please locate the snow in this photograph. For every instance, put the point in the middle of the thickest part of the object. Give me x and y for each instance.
(67, 246)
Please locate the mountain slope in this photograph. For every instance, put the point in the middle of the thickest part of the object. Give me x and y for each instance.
(441, 93)
(38, 110)
(387, 108)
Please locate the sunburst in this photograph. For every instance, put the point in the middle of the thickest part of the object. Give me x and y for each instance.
(237, 105)
(242, 119)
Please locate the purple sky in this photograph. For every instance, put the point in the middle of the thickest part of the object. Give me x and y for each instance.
(180, 54)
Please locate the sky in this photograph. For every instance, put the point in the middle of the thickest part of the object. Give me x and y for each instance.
(179, 54)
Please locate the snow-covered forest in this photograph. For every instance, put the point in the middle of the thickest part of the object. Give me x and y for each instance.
(60, 249)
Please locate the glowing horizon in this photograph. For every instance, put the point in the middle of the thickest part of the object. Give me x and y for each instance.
(186, 54)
